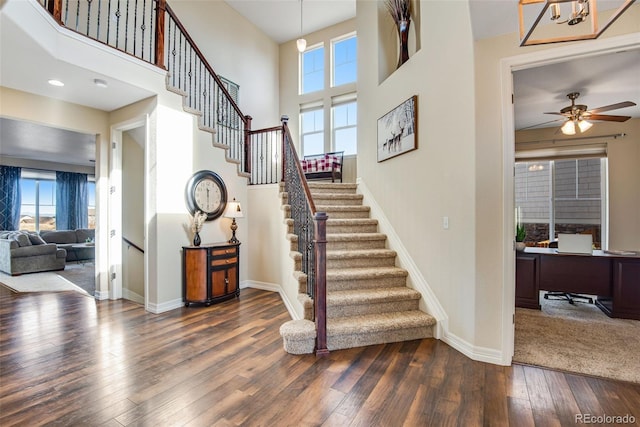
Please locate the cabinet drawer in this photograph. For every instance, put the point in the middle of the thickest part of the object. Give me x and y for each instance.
(223, 253)
(223, 261)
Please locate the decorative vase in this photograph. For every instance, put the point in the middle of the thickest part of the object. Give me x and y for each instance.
(403, 37)
(196, 239)
(520, 246)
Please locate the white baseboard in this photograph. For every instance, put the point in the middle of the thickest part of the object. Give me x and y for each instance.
(165, 306)
(481, 354)
(272, 287)
(132, 296)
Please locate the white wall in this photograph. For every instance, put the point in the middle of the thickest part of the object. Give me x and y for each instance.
(417, 189)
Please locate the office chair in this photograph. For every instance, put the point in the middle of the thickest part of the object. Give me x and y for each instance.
(568, 296)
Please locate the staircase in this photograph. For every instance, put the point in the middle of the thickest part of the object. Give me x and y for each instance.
(368, 301)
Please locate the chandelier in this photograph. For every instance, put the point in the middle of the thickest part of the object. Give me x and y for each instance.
(577, 19)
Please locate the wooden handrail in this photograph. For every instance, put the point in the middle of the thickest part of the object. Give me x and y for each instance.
(130, 243)
(319, 274)
(187, 36)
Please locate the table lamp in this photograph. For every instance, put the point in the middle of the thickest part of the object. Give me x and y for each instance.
(234, 211)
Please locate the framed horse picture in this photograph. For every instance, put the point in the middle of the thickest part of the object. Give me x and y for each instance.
(397, 130)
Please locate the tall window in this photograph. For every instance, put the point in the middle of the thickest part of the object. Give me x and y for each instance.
(312, 131)
(562, 196)
(344, 124)
(334, 108)
(344, 64)
(312, 70)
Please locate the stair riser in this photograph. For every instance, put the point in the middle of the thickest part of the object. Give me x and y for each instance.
(356, 214)
(356, 244)
(373, 338)
(337, 229)
(333, 190)
(371, 308)
(365, 261)
(356, 228)
(377, 283)
(330, 201)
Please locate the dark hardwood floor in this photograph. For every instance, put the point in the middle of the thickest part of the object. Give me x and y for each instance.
(67, 359)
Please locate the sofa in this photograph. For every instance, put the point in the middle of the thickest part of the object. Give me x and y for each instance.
(69, 239)
(24, 252)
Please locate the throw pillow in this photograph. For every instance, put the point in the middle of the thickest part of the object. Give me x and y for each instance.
(36, 239)
(23, 240)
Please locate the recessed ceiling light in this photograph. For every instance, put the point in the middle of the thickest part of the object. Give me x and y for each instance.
(54, 82)
(100, 82)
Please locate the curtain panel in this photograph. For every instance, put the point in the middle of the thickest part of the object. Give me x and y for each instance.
(72, 208)
(10, 197)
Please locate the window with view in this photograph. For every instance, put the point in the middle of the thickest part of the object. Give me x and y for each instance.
(312, 131)
(38, 207)
(345, 120)
(561, 196)
(344, 65)
(335, 108)
(312, 77)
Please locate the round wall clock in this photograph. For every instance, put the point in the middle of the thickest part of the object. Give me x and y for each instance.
(206, 192)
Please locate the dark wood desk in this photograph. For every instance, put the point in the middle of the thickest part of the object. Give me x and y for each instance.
(613, 279)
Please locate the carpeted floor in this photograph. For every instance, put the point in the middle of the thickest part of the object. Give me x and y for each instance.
(75, 277)
(578, 338)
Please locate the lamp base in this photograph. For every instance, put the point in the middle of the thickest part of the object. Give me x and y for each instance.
(234, 227)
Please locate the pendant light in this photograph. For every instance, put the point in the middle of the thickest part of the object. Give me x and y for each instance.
(301, 42)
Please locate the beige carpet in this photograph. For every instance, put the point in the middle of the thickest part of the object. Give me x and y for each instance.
(49, 281)
(578, 338)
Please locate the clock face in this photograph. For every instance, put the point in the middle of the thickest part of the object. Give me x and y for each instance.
(206, 192)
(208, 196)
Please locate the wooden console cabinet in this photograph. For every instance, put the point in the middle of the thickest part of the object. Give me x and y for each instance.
(210, 273)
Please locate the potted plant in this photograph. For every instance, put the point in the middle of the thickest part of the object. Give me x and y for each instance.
(521, 233)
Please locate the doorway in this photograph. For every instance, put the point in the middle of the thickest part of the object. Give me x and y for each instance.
(127, 212)
(508, 67)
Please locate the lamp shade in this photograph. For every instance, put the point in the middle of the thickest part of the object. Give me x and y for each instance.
(302, 45)
(233, 210)
(569, 128)
(584, 125)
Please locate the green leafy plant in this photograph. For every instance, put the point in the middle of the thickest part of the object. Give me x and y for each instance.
(521, 233)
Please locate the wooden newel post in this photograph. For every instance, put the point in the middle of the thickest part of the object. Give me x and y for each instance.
(247, 144)
(160, 9)
(284, 120)
(321, 284)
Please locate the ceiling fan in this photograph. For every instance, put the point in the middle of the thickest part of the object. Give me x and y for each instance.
(579, 117)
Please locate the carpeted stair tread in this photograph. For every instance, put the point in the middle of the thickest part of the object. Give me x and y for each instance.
(372, 323)
(365, 273)
(371, 296)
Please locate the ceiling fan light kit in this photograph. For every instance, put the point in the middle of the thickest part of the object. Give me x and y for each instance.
(577, 115)
(575, 12)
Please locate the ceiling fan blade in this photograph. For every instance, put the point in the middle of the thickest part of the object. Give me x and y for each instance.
(540, 124)
(613, 107)
(606, 118)
(558, 114)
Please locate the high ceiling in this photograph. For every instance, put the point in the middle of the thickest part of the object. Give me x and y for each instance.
(601, 81)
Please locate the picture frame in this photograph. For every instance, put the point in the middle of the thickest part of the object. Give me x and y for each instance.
(397, 130)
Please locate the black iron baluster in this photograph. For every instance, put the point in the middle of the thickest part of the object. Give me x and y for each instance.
(126, 27)
(135, 25)
(118, 14)
(88, 16)
(99, 15)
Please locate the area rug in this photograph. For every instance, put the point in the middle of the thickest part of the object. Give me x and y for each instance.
(82, 275)
(578, 338)
(52, 281)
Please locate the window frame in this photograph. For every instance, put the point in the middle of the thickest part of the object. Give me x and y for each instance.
(334, 42)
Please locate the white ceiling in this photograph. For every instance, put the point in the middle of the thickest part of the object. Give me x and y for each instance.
(601, 81)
